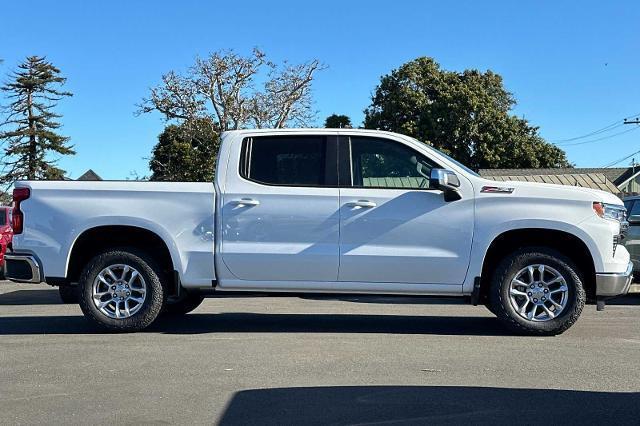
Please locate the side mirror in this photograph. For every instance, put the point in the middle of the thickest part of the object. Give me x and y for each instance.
(634, 219)
(446, 181)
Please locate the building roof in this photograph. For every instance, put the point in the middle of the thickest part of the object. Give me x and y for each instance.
(585, 180)
(617, 175)
(90, 175)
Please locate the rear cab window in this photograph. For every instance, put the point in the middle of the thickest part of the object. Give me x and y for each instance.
(289, 161)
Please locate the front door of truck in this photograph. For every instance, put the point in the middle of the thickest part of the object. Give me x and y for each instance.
(280, 212)
(394, 228)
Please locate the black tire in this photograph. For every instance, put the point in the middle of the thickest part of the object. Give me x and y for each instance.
(499, 298)
(186, 303)
(148, 270)
(69, 293)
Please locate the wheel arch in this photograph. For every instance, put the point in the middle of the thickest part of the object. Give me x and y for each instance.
(95, 239)
(567, 243)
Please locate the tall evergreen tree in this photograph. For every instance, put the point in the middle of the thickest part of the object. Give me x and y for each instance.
(33, 92)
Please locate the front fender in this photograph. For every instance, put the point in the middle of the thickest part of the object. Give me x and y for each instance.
(483, 240)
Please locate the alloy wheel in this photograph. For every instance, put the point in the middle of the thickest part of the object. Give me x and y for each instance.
(538, 293)
(119, 291)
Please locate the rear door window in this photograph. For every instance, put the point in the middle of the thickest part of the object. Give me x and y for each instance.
(288, 161)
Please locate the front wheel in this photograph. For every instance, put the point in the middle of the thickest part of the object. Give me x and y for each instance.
(121, 290)
(537, 291)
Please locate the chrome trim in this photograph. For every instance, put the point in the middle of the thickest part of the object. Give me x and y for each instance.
(36, 276)
(497, 189)
(614, 284)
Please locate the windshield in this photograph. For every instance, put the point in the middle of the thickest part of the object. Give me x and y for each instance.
(456, 162)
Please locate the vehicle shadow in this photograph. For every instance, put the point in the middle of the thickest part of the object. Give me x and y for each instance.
(408, 405)
(235, 322)
(629, 299)
(389, 299)
(30, 297)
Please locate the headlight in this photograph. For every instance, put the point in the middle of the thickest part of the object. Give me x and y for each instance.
(613, 212)
(610, 211)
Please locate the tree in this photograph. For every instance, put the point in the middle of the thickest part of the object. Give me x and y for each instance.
(185, 152)
(465, 114)
(335, 121)
(33, 92)
(222, 89)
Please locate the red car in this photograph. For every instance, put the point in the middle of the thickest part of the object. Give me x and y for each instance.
(6, 233)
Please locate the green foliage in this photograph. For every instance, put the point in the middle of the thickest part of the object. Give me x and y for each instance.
(32, 137)
(185, 152)
(466, 115)
(335, 121)
(6, 199)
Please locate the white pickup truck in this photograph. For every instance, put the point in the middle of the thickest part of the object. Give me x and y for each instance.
(323, 210)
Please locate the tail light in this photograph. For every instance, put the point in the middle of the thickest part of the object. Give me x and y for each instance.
(17, 217)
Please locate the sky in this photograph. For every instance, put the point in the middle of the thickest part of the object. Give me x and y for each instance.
(573, 66)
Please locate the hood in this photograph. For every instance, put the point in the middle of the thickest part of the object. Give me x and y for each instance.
(549, 190)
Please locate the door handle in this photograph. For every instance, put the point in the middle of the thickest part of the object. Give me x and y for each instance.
(245, 202)
(362, 203)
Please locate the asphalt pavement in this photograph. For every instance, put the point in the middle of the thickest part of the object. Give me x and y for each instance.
(312, 360)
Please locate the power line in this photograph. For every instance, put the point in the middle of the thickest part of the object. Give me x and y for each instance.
(601, 138)
(594, 133)
(620, 160)
(604, 129)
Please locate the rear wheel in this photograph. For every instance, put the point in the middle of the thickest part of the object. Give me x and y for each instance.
(121, 290)
(69, 294)
(537, 291)
(182, 305)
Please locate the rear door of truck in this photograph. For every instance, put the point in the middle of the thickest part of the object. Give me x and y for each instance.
(280, 209)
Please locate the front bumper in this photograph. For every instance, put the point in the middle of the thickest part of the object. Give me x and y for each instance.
(22, 268)
(615, 284)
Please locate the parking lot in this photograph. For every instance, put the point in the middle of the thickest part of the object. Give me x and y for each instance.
(293, 360)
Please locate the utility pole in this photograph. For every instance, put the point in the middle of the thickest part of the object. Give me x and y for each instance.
(633, 161)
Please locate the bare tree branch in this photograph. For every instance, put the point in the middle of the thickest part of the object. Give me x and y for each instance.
(222, 89)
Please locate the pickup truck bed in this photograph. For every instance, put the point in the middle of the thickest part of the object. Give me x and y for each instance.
(60, 214)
